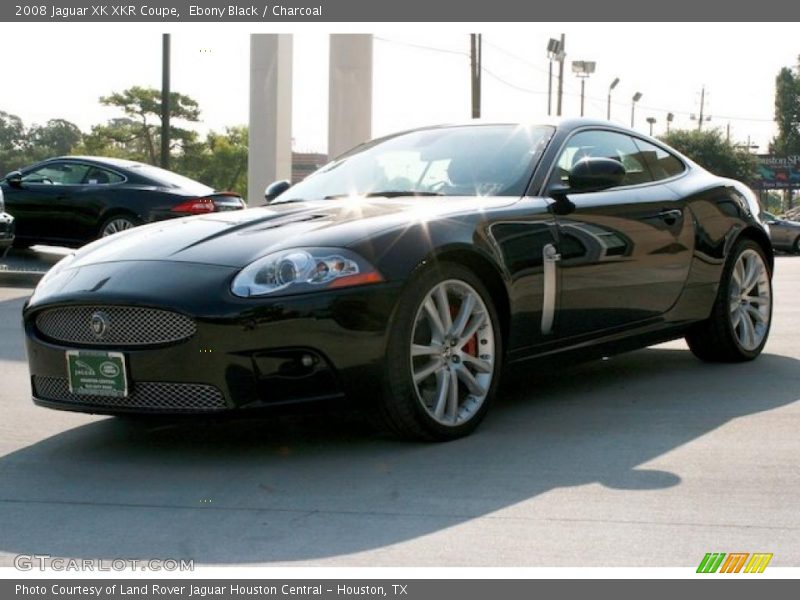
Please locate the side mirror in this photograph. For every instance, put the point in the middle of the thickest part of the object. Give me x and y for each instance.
(594, 174)
(14, 179)
(276, 188)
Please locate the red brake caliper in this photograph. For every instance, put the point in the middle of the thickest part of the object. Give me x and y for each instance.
(471, 347)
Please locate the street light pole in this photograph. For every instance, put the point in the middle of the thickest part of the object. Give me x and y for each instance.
(610, 88)
(651, 121)
(636, 97)
(553, 53)
(670, 117)
(475, 73)
(561, 55)
(583, 69)
(165, 101)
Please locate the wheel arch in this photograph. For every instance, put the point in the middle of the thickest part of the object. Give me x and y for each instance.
(487, 270)
(762, 239)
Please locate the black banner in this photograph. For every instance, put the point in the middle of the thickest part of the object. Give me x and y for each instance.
(269, 11)
(408, 589)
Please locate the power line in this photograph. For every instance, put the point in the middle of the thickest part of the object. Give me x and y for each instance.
(596, 101)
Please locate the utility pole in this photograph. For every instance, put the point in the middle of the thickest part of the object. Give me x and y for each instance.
(561, 75)
(702, 106)
(475, 73)
(165, 101)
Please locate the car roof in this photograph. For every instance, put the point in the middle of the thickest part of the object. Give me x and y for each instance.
(101, 160)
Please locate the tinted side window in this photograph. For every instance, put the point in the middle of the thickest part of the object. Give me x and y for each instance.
(96, 175)
(605, 144)
(57, 174)
(660, 162)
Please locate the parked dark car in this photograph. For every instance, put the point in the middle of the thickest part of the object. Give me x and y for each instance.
(73, 200)
(6, 228)
(784, 233)
(406, 274)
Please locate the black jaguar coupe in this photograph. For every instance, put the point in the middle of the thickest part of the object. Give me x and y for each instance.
(405, 275)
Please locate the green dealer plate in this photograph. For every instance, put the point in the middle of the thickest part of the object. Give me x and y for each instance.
(97, 373)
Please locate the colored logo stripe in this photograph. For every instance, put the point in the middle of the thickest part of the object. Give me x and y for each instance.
(758, 563)
(711, 562)
(734, 562)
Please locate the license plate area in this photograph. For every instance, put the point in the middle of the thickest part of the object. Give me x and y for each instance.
(97, 373)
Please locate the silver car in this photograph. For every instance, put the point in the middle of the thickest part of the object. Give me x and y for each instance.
(785, 234)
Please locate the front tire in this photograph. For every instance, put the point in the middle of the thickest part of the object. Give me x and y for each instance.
(739, 324)
(796, 245)
(444, 356)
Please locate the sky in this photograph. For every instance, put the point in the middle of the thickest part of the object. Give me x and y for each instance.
(421, 73)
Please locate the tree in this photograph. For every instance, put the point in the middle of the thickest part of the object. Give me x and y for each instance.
(220, 161)
(711, 150)
(13, 142)
(787, 112)
(120, 138)
(143, 107)
(57, 138)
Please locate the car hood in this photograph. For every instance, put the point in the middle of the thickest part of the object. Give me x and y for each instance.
(237, 238)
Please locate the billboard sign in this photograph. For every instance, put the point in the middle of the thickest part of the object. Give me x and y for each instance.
(777, 172)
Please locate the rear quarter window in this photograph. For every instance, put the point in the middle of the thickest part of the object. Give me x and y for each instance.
(661, 163)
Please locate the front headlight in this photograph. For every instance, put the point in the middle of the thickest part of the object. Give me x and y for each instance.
(303, 270)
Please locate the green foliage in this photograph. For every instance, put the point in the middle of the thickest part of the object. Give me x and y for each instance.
(219, 160)
(774, 202)
(787, 111)
(712, 151)
(20, 146)
(13, 142)
(142, 128)
(57, 138)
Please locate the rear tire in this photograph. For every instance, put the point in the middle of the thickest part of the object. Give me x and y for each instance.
(444, 357)
(118, 223)
(796, 245)
(741, 317)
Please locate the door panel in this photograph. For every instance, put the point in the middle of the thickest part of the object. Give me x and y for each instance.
(625, 256)
(624, 252)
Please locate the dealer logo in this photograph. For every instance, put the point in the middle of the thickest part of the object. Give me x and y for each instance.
(99, 324)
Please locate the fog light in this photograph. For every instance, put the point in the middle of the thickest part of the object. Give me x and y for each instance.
(307, 361)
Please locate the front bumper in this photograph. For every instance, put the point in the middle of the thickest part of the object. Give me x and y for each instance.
(244, 353)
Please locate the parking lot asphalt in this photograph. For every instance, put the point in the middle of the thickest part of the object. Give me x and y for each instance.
(647, 459)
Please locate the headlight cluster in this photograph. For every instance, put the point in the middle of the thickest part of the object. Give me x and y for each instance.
(303, 270)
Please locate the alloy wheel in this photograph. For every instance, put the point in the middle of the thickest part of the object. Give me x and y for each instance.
(750, 300)
(452, 352)
(117, 225)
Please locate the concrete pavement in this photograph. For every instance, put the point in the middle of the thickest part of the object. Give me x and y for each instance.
(647, 459)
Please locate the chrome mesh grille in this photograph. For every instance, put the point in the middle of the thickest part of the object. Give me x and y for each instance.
(123, 325)
(144, 395)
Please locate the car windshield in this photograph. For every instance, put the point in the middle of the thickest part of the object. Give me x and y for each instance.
(476, 160)
(170, 179)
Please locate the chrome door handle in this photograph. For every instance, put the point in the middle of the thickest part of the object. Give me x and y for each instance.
(670, 215)
(550, 257)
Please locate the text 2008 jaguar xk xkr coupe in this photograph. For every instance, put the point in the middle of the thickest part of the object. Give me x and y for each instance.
(406, 274)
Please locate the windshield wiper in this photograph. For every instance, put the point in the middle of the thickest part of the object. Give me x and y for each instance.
(386, 194)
